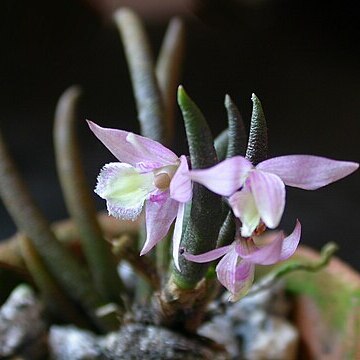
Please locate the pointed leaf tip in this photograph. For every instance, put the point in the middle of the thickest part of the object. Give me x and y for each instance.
(182, 95)
(227, 101)
(200, 140)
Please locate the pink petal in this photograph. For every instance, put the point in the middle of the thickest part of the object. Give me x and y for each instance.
(267, 255)
(180, 185)
(224, 178)
(307, 171)
(132, 149)
(208, 256)
(226, 270)
(279, 249)
(269, 194)
(243, 271)
(244, 207)
(244, 278)
(159, 217)
(177, 233)
(291, 242)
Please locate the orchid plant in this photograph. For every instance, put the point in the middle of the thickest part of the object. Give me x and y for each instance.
(151, 173)
(225, 198)
(242, 195)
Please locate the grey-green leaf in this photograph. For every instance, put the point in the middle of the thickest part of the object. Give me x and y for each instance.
(79, 200)
(221, 144)
(237, 138)
(202, 229)
(168, 70)
(258, 143)
(142, 71)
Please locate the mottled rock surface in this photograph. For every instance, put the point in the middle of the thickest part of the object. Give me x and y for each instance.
(131, 342)
(256, 327)
(22, 329)
(69, 342)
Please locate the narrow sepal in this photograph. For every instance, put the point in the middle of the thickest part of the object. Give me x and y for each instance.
(258, 143)
(133, 149)
(308, 172)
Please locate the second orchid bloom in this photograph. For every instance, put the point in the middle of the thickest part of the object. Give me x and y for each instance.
(257, 193)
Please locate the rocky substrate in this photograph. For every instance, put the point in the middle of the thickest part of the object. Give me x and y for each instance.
(253, 328)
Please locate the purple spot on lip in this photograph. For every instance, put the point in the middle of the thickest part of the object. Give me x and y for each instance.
(159, 198)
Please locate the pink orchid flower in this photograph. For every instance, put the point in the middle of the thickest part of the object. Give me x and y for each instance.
(257, 193)
(235, 270)
(148, 173)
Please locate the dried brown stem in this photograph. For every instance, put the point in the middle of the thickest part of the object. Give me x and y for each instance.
(67, 234)
(71, 275)
(125, 248)
(55, 299)
(184, 308)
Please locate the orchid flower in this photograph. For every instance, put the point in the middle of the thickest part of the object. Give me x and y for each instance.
(148, 173)
(235, 270)
(257, 193)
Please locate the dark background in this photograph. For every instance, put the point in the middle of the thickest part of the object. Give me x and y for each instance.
(300, 57)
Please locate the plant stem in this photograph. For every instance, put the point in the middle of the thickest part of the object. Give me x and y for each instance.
(125, 248)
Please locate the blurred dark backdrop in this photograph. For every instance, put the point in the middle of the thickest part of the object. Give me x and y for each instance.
(301, 58)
